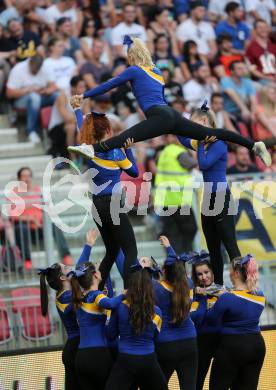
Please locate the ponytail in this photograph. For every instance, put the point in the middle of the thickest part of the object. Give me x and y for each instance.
(43, 295)
(94, 128)
(248, 268)
(77, 294)
(175, 274)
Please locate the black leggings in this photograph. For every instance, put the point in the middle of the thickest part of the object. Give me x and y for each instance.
(238, 362)
(142, 370)
(207, 344)
(219, 229)
(93, 367)
(165, 120)
(68, 359)
(179, 356)
(114, 237)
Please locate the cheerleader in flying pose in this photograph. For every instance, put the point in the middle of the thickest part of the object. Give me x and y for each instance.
(147, 86)
(241, 350)
(56, 278)
(109, 164)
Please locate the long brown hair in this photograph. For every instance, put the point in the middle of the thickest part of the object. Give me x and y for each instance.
(84, 281)
(52, 276)
(175, 274)
(140, 299)
(94, 129)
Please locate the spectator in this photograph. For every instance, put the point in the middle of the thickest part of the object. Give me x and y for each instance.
(261, 54)
(163, 24)
(234, 27)
(172, 90)
(72, 44)
(173, 169)
(190, 59)
(216, 10)
(62, 125)
(64, 9)
(225, 56)
(29, 225)
(60, 68)
(14, 10)
(243, 163)
(128, 118)
(239, 93)
(260, 9)
(126, 27)
(200, 87)
(94, 70)
(31, 88)
(163, 58)
(198, 30)
(265, 126)
(87, 39)
(26, 43)
(222, 118)
(182, 106)
(5, 56)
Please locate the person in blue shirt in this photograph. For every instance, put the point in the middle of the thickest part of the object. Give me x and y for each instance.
(106, 188)
(176, 345)
(137, 321)
(93, 359)
(56, 278)
(234, 27)
(217, 217)
(240, 354)
(147, 85)
(207, 335)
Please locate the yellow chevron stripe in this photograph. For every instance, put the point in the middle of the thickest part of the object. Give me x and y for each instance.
(166, 285)
(194, 306)
(99, 298)
(250, 297)
(92, 308)
(153, 75)
(194, 144)
(106, 163)
(125, 302)
(157, 320)
(124, 164)
(61, 306)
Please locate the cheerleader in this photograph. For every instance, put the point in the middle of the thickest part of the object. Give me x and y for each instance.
(109, 164)
(240, 354)
(56, 278)
(147, 86)
(177, 346)
(93, 359)
(207, 335)
(137, 321)
(212, 161)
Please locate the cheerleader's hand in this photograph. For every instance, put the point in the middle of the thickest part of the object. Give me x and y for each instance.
(164, 241)
(210, 139)
(91, 236)
(76, 101)
(129, 142)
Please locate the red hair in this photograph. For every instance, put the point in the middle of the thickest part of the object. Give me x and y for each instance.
(94, 129)
(248, 272)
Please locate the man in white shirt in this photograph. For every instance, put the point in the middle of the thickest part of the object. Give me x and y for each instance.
(63, 8)
(197, 30)
(60, 68)
(127, 27)
(31, 88)
(200, 87)
(260, 9)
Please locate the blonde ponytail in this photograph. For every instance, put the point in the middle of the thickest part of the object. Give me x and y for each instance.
(138, 54)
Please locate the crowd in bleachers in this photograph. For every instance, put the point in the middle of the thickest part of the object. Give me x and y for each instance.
(224, 51)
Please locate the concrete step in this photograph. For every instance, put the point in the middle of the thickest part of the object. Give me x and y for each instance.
(20, 149)
(4, 121)
(9, 135)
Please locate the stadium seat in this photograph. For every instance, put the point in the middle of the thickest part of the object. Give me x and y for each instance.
(26, 304)
(243, 130)
(45, 115)
(5, 329)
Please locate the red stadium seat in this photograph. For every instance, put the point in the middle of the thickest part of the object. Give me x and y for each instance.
(5, 328)
(26, 304)
(243, 130)
(45, 115)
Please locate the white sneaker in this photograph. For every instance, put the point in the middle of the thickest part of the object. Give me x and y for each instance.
(261, 151)
(34, 138)
(83, 149)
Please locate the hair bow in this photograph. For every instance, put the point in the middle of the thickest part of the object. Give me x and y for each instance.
(204, 106)
(138, 267)
(97, 114)
(155, 266)
(171, 259)
(127, 41)
(44, 271)
(246, 259)
(196, 258)
(76, 273)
